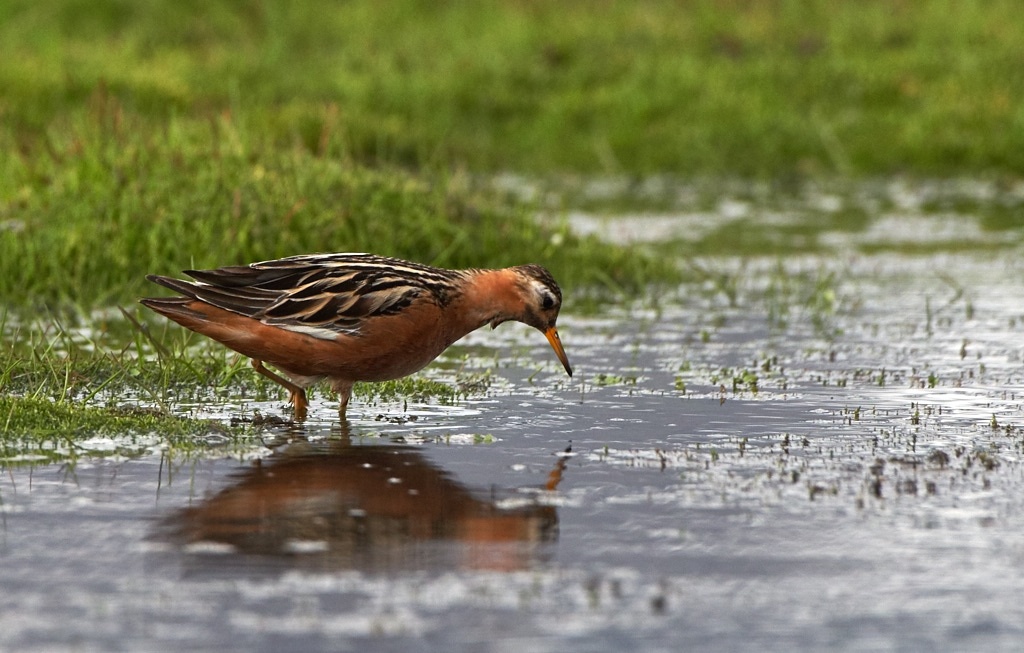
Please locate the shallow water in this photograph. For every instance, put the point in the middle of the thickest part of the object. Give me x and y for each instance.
(868, 495)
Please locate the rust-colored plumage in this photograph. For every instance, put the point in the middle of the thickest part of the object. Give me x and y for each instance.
(353, 317)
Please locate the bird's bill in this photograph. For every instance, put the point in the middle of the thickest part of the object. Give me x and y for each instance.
(556, 343)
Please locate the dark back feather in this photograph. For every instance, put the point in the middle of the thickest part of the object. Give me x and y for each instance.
(328, 291)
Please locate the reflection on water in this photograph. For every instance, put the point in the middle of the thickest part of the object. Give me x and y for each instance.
(340, 506)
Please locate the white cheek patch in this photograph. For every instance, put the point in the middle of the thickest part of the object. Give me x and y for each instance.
(542, 292)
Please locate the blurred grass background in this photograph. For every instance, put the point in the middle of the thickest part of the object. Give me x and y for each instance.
(148, 135)
(145, 136)
(699, 86)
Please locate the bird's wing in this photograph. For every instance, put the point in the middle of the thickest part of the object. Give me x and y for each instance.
(323, 295)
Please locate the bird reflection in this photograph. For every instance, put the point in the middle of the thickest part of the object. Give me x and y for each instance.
(340, 506)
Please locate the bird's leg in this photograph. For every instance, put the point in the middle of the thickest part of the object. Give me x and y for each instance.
(344, 390)
(555, 475)
(298, 395)
(299, 403)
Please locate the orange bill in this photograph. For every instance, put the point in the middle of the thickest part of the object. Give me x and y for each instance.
(556, 343)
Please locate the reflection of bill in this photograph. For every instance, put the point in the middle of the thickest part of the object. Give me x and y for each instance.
(370, 508)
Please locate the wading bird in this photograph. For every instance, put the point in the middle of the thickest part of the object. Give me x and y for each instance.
(353, 317)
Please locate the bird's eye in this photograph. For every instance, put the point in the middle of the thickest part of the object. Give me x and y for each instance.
(547, 302)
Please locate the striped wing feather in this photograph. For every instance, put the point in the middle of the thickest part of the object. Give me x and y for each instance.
(333, 292)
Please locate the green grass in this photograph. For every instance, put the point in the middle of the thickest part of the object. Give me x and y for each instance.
(40, 420)
(61, 384)
(69, 380)
(769, 88)
(105, 363)
(102, 205)
(153, 136)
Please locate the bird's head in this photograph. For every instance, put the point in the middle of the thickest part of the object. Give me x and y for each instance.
(541, 299)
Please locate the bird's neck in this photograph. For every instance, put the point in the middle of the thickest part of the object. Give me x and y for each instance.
(487, 295)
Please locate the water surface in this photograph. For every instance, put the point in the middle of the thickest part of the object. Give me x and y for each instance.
(822, 453)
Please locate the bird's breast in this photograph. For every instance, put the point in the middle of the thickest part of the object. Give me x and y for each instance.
(393, 346)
